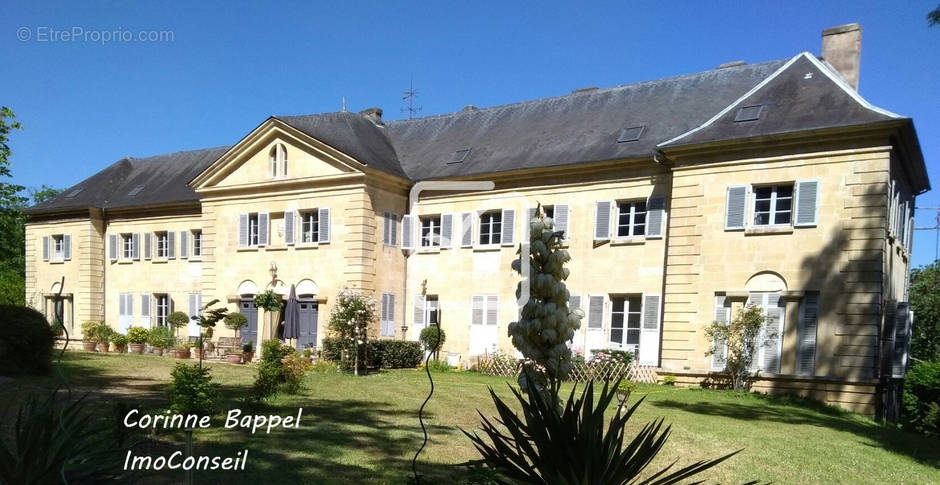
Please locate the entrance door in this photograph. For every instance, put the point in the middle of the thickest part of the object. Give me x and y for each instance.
(249, 332)
(483, 324)
(308, 325)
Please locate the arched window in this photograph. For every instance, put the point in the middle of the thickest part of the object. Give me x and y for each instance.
(278, 158)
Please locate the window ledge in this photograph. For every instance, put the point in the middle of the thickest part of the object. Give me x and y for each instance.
(429, 250)
(484, 249)
(760, 231)
(197, 259)
(276, 248)
(628, 241)
(125, 261)
(160, 261)
(56, 261)
(248, 249)
(307, 246)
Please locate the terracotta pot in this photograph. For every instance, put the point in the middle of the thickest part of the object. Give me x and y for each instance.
(180, 354)
(89, 345)
(158, 351)
(196, 352)
(248, 356)
(120, 348)
(103, 347)
(137, 348)
(233, 358)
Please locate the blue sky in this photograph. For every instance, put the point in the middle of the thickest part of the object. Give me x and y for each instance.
(85, 104)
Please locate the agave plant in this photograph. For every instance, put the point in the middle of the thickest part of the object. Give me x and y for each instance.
(570, 445)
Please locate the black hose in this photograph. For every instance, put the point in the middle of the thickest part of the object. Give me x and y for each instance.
(414, 462)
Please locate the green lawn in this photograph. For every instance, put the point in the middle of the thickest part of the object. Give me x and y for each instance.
(365, 429)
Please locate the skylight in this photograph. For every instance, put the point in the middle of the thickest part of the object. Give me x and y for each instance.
(460, 155)
(749, 113)
(631, 134)
(135, 190)
(74, 192)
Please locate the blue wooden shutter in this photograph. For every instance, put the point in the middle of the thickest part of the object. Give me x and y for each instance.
(408, 232)
(66, 247)
(655, 216)
(508, 234)
(735, 207)
(602, 220)
(806, 335)
(135, 246)
(720, 346)
(242, 230)
(324, 225)
(466, 237)
(170, 245)
(113, 247)
(447, 231)
(807, 203)
(45, 248)
(289, 228)
(263, 226)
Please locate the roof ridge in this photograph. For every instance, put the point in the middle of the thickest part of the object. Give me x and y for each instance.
(178, 152)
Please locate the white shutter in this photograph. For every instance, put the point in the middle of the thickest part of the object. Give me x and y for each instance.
(45, 248)
(466, 237)
(806, 335)
(324, 223)
(508, 234)
(66, 247)
(184, 244)
(145, 310)
(148, 242)
(170, 245)
(649, 330)
(195, 305)
(447, 231)
(408, 232)
(720, 346)
(263, 225)
(478, 310)
(391, 315)
(135, 246)
(902, 341)
(289, 217)
(113, 247)
(574, 302)
(807, 203)
(418, 314)
(773, 316)
(655, 216)
(735, 207)
(492, 310)
(602, 209)
(562, 216)
(527, 230)
(242, 231)
(595, 312)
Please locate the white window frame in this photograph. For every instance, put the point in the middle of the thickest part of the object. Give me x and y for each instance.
(632, 214)
(309, 226)
(628, 310)
(162, 304)
(127, 246)
(58, 247)
(277, 157)
(162, 245)
(196, 235)
(433, 239)
(491, 234)
(772, 212)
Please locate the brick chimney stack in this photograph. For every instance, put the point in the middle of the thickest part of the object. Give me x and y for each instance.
(842, 48)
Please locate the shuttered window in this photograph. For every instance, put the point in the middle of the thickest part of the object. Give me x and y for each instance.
(66, 247)
(45, 248)
(807, 203)
(310, 226)
(484, 310)
(195, 308)
(491, 227)
(145, 310)
(631, 218)
(508, 227)
(408, 232)
(390, 229)
(735, 207)
(388, 315)
(289, 227)
(719, 349)
(125, 311)
(135, 247)
(127, 247)
(262, 229)
(771, 335)
(324, 235)
(163, 244)
(447, 231)
(574, 303)
(602, 211)
(625, 318)
(466, 230)
(148, 245)
(113, 247)
(431, 232)
(418, 316)
(806, 335)
(197, 244)
(163, 309)
(595, 312)
(184, 244)
(655, 216)
(773, 205)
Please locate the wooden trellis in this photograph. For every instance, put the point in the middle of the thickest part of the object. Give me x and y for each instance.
(611, 371)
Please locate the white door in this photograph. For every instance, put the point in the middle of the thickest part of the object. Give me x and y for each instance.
(595, 337)
(483, 324)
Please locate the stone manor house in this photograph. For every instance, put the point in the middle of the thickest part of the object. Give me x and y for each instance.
(682, 200)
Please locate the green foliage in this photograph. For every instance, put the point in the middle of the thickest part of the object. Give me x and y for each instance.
(394, 354)
(55, 440)
(248, 346)
(331, 349)
(922, 398)
(235, 321)
(88, 330)
(669, 380)
(269, 301)
(118, 339)
(160, 337)
(177, 319)
(12, 287)
(191, 390)
(435, 365)
(573, 444)
(350, 318)
(137, 335)
(430, 335)
(294, 367)
(741, 339)
(323, 366)
(612, 356)
(925, 303)
(271, 370)
(627, 386)
(933, 17)
(103, 333)
(26, 341)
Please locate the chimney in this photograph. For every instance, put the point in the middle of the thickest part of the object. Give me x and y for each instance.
(373, 114)
(842, 48)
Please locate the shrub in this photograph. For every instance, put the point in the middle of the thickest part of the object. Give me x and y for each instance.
(323, 366)
(922, 398)
(118, 339)
(429, 336)
(137, 335)
(88, 330)
(612, 356)
(740, 342)
(669, 380)
(332, 349)
(435, 365)
(271, 372)
(350, 317)
(191, 390)
(235, 322)
(177, 320)
(160, 337)
(394, 354)
(269, 301)
(294, 367)
(103, 333)
(26, 341)
(248, 346)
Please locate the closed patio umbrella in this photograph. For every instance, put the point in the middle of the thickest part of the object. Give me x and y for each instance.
(292, 316)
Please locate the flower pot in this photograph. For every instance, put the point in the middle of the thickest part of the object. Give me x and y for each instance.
(103, 347)
(158, 351)
(180, 354)
(623, 396)
(120, 348)
(233, 358)
(199, 353)
(137, 348)
(248, 356)
(89, 345)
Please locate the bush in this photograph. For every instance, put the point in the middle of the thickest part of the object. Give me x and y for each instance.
(191, 391)
(613, 356)
(394, 354)
(294, 367)
(137, 335)
(429, 336)
(332, 349)
(118, 339)
(177, 320)
(669, 380)
(160, 337)
(271, 370)
(88, 330)
(235, 321)
(26, 341)
(922, 398)
(323, 366)
(435, 365)
(103, 333)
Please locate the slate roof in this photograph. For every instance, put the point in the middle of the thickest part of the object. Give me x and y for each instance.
(580, 127)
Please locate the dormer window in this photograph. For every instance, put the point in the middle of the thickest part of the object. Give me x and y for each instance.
(278, 158)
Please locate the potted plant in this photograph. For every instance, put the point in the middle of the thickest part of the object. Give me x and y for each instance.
(103, 336)
(88, 335)
(120, 342)
(137, 337)
(198, 349)
(624, 389)
(235, 322)
(159, 338)
(181, 351)
(177, 320)
(271, 303)
(248, 351)
(233, 358)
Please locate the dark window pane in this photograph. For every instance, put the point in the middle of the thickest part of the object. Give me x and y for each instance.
(784, 204)
(616, 336)
(762, 205)
(640, 206)
(633, 337)
(785, 191)
(782, 218)
(639, 218)
(617, 304)
(762, 219)
(639, 230)
(633, 320)
(623, 231)
(763, 192)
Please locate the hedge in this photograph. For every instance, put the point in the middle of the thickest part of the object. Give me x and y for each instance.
(922, 398)
(395, 354)
(26, 341)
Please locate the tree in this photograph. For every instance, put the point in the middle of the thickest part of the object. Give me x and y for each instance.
(933, 17)
(43, 193)
(350, 318)
(741, 340)
(925, 303)
(12, 233)
(207, 318)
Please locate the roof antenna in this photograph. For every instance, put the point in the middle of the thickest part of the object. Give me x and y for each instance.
(410, 96)
(344, 104)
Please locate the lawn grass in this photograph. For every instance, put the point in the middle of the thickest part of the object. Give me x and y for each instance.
(365, 429)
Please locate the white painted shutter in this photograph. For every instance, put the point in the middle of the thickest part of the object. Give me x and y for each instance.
(720, 346)
(735, 207)
(45, 248)
(595, 312)
(263, 225)
(324, 222)
(602, 209)
(909, 244)
(772, 334)
(390, 317)
(145, 310)
(508, 235)
(135, 246)
(807, 203)
(466, 237)
(242, 230)
(806, 335)
(574, 302)
(527, 230)
(902, 340)
(492, 309)
(148, 242)
(408, 232)
(184, 244)
(562, 216)
(195, 304)
(171, 245)
(447, 231)
(649, 331)
(113, 247)
(418, 317)
(66, 247)
(478, 310)
(289, 227)
(655, 216)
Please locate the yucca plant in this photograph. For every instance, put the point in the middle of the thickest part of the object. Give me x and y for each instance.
(548, 445)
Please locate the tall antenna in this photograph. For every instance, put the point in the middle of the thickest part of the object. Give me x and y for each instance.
(410, 96)
(344, 104)
(936, 227)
